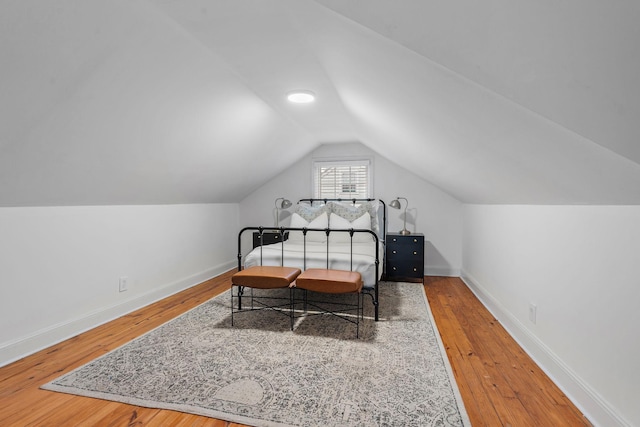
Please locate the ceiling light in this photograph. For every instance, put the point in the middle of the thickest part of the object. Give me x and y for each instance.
(301, 96)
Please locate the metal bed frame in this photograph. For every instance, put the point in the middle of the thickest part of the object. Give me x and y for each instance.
(373, 293)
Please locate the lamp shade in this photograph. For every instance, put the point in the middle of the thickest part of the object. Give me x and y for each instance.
(285, 204)
(395, 204)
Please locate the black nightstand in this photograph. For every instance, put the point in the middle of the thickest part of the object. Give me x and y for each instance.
(405, 257)
(268, 237)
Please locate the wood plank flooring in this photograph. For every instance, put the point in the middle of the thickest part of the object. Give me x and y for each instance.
(499, 383)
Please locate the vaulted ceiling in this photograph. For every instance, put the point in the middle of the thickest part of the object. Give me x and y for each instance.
(183, 101)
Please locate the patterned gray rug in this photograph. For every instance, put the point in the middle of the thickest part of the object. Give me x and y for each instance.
(261, 373)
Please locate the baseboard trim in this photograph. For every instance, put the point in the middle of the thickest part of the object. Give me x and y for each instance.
(44, 338)
(441, 271)
(597, 410)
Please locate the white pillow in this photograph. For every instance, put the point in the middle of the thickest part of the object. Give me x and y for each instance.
(336, 222)
(352, 212)
(297, 221)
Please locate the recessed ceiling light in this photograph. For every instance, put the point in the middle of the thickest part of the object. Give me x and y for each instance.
(301, 96)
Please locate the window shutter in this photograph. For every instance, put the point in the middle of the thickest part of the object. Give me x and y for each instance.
(347, 179)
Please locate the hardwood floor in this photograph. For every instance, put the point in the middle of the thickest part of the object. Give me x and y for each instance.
(499, 383)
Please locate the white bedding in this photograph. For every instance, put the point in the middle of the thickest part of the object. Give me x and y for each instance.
(364, 256)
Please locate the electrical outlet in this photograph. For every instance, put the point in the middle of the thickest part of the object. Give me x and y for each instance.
(533, 313)
(123, 284)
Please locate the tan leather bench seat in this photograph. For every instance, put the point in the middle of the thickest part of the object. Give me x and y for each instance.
(265, 277)
(329, 281)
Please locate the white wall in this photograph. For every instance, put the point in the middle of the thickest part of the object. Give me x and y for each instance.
(578, 265)
(431, 211)
(60, 266)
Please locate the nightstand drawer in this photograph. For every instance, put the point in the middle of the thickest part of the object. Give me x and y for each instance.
(405, 269)
(411, 240)
(405, 252)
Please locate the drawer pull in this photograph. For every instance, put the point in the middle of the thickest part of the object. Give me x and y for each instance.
(415, 240)
(394, 269)
(394, 251)
(415, 252)
(415, 269)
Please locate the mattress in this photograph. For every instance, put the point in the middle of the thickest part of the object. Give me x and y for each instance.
(340, 258)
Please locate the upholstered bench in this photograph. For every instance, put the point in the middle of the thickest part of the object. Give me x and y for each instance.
(329, 281)
(264, 277)
(333, 282)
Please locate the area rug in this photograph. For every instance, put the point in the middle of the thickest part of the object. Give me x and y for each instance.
(261, 373)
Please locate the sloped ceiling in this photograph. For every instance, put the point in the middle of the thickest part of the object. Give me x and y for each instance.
(183, 101)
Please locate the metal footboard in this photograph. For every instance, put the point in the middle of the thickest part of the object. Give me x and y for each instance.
(373, 293)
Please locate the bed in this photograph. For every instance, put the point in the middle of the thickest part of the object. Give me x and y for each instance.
(334, 234)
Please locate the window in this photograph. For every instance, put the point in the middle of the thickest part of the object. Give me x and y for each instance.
(342, 179)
